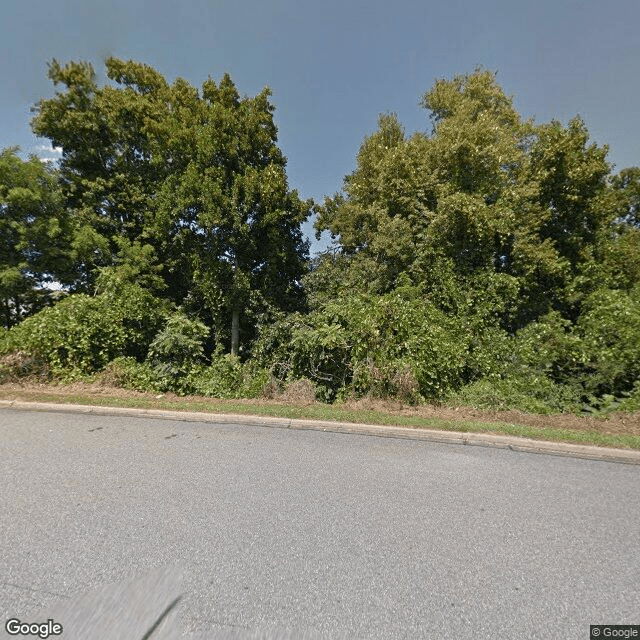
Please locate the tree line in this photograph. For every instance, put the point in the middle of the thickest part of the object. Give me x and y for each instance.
(488, 260)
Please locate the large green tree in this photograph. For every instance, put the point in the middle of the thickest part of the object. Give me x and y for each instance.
(483, 206)
(516, 230)
(626, 187)
(195, 179)
(35, 234)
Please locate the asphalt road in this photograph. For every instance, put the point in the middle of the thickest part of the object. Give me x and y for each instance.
(312, 534)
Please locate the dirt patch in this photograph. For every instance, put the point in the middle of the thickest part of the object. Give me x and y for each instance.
(616, 423)
(102, 388)
(302, 395)
(299, 392)
(18, 365)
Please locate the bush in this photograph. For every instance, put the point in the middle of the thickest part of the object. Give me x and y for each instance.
(553, 365)
(532, 394)
(397, 343)
(81, 334)
(227, 377)
(547, 348)
(609, 332)
(631, 399)
(128, 373)
(177, 350)
(142, 315)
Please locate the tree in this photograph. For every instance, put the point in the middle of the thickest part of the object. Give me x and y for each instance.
(485, 202)
(434, 203)
(36, 235)
(616, 263)
(626, 187)
(226, 211)
(194, 178)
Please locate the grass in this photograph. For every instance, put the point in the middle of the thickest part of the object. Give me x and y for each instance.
(341, 414)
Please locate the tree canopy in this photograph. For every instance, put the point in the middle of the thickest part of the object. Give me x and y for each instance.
(35, 232)
(189, 185)
(489, 259)
(484, 196)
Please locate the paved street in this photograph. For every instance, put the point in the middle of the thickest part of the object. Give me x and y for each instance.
(324, 535)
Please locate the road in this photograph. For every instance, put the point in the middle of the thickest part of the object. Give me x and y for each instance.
(324, 535)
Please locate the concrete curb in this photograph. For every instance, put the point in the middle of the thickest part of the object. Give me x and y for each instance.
(515, 443)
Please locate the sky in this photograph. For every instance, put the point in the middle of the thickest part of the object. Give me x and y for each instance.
(334, 66)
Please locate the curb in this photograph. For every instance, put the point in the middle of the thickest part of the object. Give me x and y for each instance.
(514, 443)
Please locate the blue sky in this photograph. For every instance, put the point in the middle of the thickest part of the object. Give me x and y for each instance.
(333, 66)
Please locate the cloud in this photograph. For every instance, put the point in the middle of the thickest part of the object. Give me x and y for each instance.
(42, 148)
(47, 153)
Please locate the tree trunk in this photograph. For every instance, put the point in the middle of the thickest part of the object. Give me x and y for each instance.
(7, 313)
(235, 330)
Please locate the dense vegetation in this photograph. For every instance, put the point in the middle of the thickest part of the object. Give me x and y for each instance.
(490, 261)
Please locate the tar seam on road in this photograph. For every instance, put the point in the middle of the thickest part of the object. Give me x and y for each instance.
(513, 443)
(162, 616)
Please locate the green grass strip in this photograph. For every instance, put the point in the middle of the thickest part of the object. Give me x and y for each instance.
(333, 413)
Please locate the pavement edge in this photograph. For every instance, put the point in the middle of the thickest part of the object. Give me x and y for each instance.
(514, 443)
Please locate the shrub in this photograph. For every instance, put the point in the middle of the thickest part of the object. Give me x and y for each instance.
(142, 315)
(548, 347)
(128, 373)
(535, 394)
(227, 377)
(81, 333)
(176, 350)
(609, 331)
(397, 343)
(631, 399)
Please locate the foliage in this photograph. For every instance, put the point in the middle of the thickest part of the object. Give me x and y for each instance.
(36, 235)
(555, 365)
(631, 399)
(79, 333)
(176, 349)
(489, 261)
(534, 394)
(224, 377)
(515, 233)
(193, 178)
(227, 377)
(626, 191)
(398, 343)
(609, 330)
(484, 193)
(128, 373)
(546, 348)
(83, 333)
